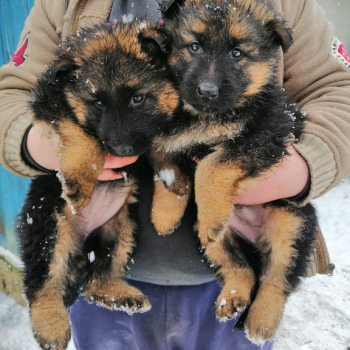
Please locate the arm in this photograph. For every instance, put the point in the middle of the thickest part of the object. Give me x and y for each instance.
(41, 48)
(43, 151)
(44, 23)
(320, 84)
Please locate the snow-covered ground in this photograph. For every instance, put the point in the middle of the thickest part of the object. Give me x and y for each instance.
(317, 317)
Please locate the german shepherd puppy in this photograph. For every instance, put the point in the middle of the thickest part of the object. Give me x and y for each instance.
(109, 92)
(239, 122)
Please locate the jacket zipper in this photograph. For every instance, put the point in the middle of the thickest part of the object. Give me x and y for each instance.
(330, 266)
(72, 19)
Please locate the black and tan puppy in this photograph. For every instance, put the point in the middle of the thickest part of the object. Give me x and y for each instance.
(237, 119)
(108, 92)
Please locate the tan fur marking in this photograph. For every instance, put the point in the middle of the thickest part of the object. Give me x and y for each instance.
(200, 133)
(185, 54)
(67, 237)
(216, 184)
(280, 232)
(265, 314)
(238, 32)
(110, 290)
(260, 11)
(238, 281)
(118, 295)
(259, 74)
(127, 41)
(173, 60)
(82, 160)
(168, 99)
(78, 106)
(92, 87)
(187, 37)
(49, 316)
(131, 46)
(133, 81)
(125, 228)
(198, 26)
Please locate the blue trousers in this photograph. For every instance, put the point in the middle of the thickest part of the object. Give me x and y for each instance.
(181, 318)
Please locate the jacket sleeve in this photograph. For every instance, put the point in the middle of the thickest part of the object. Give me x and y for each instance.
(37, 47)
(320, 84)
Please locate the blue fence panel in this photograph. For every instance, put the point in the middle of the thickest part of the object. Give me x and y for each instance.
(12, 16)
(12, 188)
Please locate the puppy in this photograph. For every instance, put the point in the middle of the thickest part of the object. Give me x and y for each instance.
(239, 122)
(109, 92)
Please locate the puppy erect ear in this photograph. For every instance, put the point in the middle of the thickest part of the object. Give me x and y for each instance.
(170, 8)
(282, 35)
(61, 69)
(155, 41)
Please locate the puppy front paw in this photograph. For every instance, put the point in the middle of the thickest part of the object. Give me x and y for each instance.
(167, 209)
(229, 305)
(76, 195)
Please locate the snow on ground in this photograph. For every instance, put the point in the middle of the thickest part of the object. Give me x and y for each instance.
(317, 317)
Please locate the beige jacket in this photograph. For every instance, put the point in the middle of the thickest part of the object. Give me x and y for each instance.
(315, 76)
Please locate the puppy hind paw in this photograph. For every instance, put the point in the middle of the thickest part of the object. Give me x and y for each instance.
(260, 328)
(52, 345)
(54, 334)
(50, 320)
(257, 338)
(130, 305)
(229, 307)
(121, 296)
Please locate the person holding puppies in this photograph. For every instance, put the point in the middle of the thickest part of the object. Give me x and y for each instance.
(170, 270)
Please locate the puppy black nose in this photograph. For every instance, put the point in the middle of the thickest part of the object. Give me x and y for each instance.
(208, 90)
(123, 150)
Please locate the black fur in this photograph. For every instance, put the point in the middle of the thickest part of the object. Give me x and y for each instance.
(111, 87)
(36, 230)
(225, 57)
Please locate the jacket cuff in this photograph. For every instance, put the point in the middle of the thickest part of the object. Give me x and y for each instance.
(299, 198)
(13, 147)
(28, 158)
(321, 162)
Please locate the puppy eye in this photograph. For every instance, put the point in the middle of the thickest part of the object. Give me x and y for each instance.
(236, 53)
(99, 104)
(194, 47)
(137, 99)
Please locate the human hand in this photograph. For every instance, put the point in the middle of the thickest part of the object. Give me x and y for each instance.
(247, 221)
(286, 180)
(105, 202)
(44, 151)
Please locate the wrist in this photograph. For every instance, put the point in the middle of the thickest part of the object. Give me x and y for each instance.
(39, 151)
(304, 193)
(28, 158)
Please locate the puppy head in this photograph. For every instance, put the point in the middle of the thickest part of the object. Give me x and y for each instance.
(117, 85)
(224, 52)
